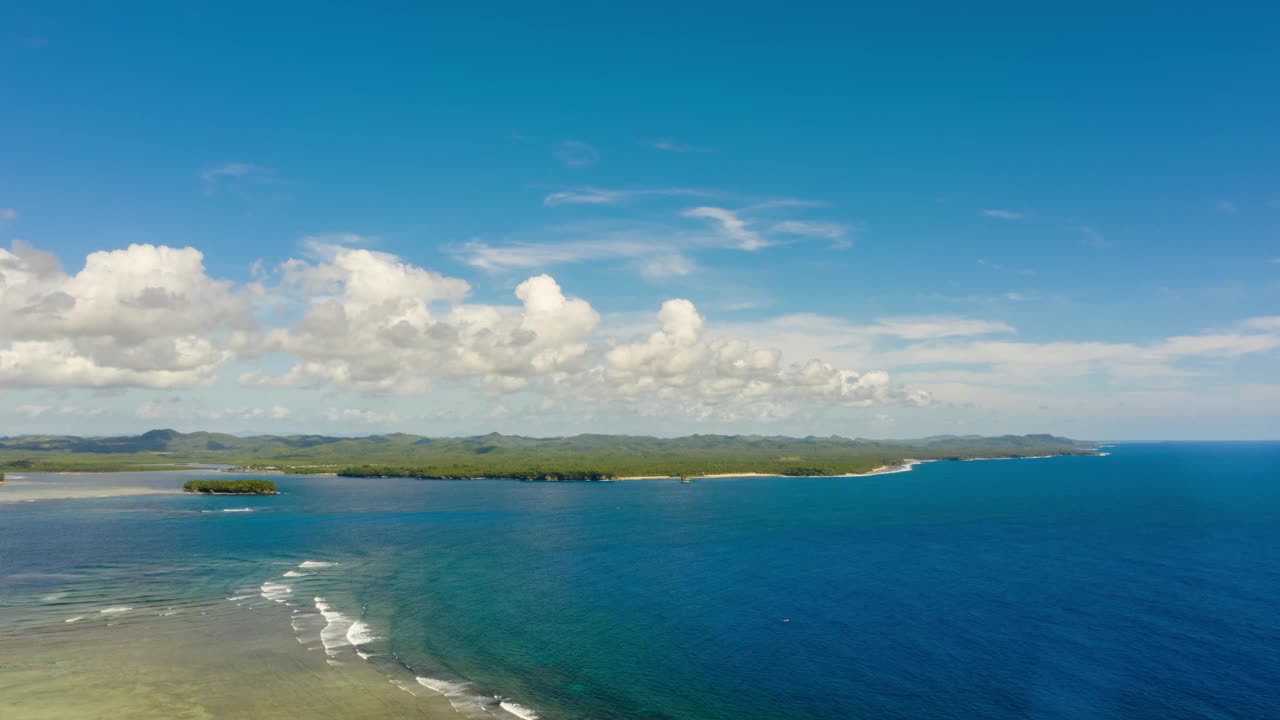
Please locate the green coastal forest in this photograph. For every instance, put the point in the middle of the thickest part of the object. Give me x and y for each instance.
(579, 457)
(231, 487)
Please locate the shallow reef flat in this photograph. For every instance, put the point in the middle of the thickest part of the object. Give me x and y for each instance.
(191, 667)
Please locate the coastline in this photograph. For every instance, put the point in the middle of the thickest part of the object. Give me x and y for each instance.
(242, 494)
(20, 490)
(903, 466)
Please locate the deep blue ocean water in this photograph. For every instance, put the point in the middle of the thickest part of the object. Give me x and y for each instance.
(1143, 585)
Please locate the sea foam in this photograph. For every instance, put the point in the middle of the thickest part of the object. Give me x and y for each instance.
(359, 633)
(341, 631)
(313, 564)
(460, 696)
(295, 574)
(518, 710)
(278, 592)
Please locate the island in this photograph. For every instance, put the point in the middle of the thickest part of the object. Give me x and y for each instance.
(231, 487)
(582, 458)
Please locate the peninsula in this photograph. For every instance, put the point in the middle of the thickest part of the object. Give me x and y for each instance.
(588, 457)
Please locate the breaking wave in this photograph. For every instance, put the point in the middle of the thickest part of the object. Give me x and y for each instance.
(278, 592)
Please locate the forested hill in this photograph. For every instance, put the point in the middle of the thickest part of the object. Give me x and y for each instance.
(504, 455)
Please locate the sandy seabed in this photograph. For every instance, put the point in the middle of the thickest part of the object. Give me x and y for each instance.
(191, 667)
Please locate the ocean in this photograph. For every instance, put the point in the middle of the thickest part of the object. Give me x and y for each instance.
(1143, 584)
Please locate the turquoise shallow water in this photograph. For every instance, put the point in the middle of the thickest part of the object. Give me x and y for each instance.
(1140, 585)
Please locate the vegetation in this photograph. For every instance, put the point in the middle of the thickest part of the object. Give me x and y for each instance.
(580, 457)
(231, 487)
(73, 464)
(475, 472)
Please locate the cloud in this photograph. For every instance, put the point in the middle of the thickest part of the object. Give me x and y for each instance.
(1008, 296)
(1048, 364)
(371, 417)
(173, 408)
(585, 196)
(807, 228)
(933, 326)
(145, 316)
(1269, 324)
(667, 266)
(674, 146)
(645, 243)
(275, 412)
(830, 231)
(213, 175)
(1003, 214)
(369, 329)
(377, 324)
(8, 214)
(33, 410)
(156, 409)
(529, 255)
(1005, 268)
(680, 368)
(776, 203)
(598, 196)
(358, 320)
(731, 226)
(576, 154)
(1092, 238)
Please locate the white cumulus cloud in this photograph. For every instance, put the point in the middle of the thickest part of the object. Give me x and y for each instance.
(680, 368)
(377, 324)
(145, 316)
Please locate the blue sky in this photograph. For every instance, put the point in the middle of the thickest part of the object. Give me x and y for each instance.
(1004, 218)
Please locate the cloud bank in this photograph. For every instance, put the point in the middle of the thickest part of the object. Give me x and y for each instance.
(342, 318)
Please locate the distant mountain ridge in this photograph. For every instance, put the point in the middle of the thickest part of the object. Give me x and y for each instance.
(172, 441)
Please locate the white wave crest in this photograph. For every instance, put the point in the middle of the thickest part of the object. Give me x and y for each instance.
(459, 695)
(77, 618)
(313, 564)
(278, 592)
(518, 710)
(114, 610)
(341, 631)
(295, 573)
(359, 633)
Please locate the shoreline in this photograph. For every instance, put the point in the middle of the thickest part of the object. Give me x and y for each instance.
(905, 465)
(22, 488)
(201, 492)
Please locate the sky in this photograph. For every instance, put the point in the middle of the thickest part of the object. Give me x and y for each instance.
(889, 220)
